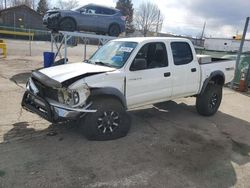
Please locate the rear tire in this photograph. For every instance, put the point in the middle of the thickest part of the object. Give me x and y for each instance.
(114, 30)
(67, 24)
(207, 104)
(109, 122)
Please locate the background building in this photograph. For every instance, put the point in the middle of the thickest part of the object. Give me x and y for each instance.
(21, 17)
(225, 45)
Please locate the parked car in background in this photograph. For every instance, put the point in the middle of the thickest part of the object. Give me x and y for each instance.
(91, 17)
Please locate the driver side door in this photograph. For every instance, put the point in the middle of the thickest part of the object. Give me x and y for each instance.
(153, 83)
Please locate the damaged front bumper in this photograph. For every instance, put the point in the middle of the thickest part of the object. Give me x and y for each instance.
(52, 20)
(52, 110)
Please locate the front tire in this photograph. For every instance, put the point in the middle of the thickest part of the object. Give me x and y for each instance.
(67, 24)
(109, 122)
(207, 104)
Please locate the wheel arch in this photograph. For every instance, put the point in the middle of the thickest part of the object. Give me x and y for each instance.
(68, 17)
(114, 23)
(216, 77)
(108, 92)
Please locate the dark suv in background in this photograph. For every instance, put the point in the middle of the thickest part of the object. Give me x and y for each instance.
(94, 18)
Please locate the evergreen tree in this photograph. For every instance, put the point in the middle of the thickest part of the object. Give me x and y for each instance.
(42, 7)
(126, 7)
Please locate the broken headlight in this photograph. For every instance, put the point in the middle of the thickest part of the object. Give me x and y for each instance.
(74, 97)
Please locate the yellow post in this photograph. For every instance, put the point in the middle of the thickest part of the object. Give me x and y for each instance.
(4, 48)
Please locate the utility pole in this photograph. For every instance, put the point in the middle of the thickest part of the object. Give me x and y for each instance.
(5, 4)
(240, 50)
(158, 20)
(203, 30)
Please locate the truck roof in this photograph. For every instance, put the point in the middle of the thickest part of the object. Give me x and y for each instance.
(151, 39)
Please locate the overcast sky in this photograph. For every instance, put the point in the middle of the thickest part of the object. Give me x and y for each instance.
(223, 17)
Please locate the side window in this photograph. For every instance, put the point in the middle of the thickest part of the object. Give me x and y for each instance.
(182, 53)
(101, 11)
(107, 11)
(83, 10)
(153, 55)
(91, 10)
(111, 12)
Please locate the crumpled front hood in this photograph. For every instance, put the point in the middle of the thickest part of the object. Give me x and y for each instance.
(52, 11)
(62, 73)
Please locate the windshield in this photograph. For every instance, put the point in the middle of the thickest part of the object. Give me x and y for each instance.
(113, 54)
(78, 8)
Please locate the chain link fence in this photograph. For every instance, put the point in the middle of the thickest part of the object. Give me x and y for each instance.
(39, 35)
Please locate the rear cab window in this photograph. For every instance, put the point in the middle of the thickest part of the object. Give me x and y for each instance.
(182, 53)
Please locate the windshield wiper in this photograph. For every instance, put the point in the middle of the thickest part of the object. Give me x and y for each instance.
(102, 63)
(87, 61)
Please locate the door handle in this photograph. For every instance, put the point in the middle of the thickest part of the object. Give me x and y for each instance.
(167, 74)
(193, 70)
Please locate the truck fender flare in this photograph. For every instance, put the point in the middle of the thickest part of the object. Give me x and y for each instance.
(210, 78)
(109, 91)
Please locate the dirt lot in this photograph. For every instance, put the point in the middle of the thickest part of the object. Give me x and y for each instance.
(169, 144)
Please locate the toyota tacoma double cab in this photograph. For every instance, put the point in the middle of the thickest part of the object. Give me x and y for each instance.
(123, 75)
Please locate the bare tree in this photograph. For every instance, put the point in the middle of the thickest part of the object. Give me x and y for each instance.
(34, 4)
(2, 4)
(148, 18)
(64, 4)
(28, 3)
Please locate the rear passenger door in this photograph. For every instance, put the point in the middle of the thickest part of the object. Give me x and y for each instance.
(105, 17)
(186, 72)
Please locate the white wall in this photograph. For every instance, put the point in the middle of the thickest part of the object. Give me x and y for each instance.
(225, 44)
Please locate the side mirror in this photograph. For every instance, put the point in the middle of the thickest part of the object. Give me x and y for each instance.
(82, 11)
(139, 64)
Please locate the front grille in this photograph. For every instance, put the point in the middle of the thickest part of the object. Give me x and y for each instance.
(45, 91)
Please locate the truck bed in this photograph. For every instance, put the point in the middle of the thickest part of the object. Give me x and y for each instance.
(218, 64)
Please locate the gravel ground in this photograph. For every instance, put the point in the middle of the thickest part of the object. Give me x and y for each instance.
(169, 144)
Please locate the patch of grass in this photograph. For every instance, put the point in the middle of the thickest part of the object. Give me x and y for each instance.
(2, 173)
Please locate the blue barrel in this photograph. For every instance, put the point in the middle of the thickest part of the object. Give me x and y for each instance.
(48, 59)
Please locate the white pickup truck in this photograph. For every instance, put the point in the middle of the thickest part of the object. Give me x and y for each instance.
(122, 75)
